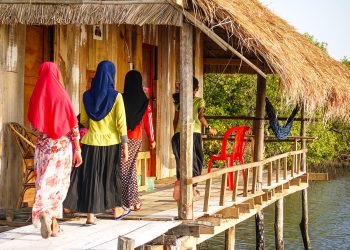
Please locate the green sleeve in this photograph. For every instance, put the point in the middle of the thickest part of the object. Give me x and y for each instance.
(201, 103)
(84, 118)
(120, 116)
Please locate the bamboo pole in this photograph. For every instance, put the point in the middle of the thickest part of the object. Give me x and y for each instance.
(279, 244)
(304, 223)
(186, 121)
(258, 129)
(230, 238)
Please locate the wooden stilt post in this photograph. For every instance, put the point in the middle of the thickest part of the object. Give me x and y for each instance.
(125, 243)
(304, 224)
(259, 153)
(186, 121)
(230, 238)
(279, 224)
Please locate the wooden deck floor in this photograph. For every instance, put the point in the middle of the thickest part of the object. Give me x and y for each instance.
(158, 216)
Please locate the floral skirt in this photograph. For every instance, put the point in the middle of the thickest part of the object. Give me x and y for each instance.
(53, 164)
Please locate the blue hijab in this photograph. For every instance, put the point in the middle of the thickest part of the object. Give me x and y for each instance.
(100, 98)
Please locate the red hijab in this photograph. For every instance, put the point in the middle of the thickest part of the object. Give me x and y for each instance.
(50, 108)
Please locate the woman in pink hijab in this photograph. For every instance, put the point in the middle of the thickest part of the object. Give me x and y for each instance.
(51, 114)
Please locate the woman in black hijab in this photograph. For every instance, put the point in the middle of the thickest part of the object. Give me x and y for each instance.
(138, 109)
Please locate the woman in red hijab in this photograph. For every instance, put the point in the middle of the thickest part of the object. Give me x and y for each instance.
(51, 114)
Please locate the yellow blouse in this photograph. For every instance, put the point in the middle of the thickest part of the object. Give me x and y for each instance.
(110, 130)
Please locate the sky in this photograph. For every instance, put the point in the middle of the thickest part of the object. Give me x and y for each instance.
(327, 20)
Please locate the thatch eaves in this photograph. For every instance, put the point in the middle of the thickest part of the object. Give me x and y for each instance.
(49, 12)
(306, 71)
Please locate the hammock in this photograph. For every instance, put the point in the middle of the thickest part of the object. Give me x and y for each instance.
(279, 131)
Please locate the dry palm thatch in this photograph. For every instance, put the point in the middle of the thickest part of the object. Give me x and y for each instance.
(49, 12)
(306, 71)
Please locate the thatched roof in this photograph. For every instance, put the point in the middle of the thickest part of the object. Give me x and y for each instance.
(306, 71)
(50, 12)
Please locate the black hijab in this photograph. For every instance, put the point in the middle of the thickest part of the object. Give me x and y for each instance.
(135, 99)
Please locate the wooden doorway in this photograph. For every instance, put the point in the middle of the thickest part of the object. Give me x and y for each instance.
(149, 76)
(39, 48)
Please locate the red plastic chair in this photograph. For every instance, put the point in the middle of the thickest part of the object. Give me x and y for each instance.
(240, 144)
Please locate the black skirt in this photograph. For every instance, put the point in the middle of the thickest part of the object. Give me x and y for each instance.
(198, 157)
(96, 185)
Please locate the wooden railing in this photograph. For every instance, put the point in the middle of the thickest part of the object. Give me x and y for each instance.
(143, 160)
(279, 163)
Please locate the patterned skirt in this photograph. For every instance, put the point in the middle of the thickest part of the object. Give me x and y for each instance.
(95, 185)
(53, 164)
(129, 175)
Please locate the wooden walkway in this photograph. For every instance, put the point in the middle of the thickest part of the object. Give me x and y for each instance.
(157, 225)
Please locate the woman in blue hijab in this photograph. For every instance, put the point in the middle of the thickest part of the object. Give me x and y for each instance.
(96, 186)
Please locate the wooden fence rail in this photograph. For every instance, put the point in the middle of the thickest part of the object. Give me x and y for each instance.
(279, 169)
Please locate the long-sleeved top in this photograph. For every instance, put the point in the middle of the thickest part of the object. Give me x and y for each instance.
(148, 124)
(110, 130)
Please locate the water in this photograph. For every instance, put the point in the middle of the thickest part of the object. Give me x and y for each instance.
(329, 220)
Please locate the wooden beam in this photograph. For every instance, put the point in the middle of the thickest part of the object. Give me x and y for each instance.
(217, 39)
(279, 244)
(185, 230)
(230, 238)
(227, 61)
(318, 176)
(214, 219)
(125, 243)
(186, 121)
(230, 213)
(258, 125)
(168, 240)
(258, 131)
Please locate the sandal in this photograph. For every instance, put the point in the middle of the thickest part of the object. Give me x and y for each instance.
(125, 212)
(137, 207)
(59, 232)
(45, 228)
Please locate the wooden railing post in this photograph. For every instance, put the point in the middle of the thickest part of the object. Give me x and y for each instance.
(186, 121)
(223, 189)
(207, 195)
(269, 174)
(278, 165)
(285, 170)
(235, 188)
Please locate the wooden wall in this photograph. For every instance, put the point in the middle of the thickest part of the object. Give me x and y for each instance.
(12, 46)
(77, 54)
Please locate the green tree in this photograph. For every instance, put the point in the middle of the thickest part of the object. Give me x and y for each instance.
(234, 95)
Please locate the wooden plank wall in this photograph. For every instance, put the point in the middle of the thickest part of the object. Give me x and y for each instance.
(12, 47)
(198, 59)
